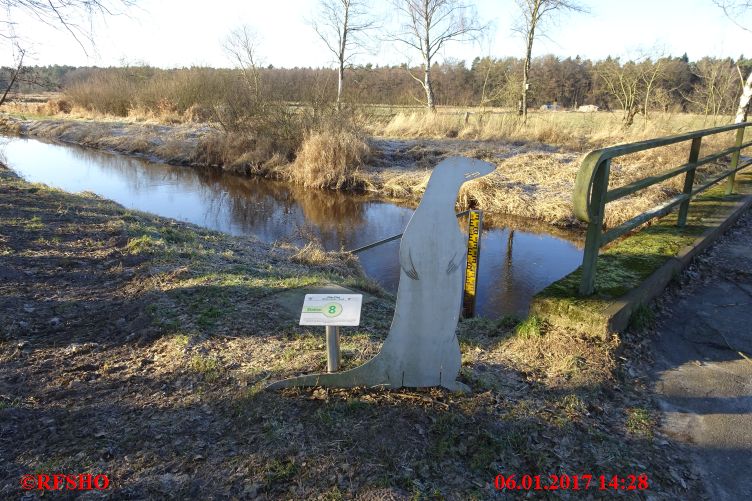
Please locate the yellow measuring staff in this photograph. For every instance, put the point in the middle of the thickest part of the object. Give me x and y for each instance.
(471, 270)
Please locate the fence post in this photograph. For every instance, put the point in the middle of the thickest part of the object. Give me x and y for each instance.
(689, 180)
(597, 207)
(735, 160)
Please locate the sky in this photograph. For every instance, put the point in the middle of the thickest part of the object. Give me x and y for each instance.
(179, 33)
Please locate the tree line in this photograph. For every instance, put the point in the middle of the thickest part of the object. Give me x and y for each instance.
(709, 86)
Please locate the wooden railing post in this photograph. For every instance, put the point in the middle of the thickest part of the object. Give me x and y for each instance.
(597, 206)
(689, 180)
(735, 160)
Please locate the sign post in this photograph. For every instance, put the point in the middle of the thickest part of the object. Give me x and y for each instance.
(332, 311)
(475, 224)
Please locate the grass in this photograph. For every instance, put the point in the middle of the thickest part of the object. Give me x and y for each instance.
(529, 328)
(642, 318)
(208, 367)
(144, 243)
(570, 130)
(639, 422)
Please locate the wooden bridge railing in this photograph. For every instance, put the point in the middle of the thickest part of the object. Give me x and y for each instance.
(591, 193)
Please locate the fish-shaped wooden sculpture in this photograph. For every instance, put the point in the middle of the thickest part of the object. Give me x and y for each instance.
(421, 349)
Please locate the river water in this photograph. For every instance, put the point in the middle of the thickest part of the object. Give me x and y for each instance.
(518, 257)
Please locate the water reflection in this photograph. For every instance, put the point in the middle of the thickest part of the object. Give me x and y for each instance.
(518, 257)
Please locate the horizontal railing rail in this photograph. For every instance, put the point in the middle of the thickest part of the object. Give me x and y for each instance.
(393, 237)
(591, 193)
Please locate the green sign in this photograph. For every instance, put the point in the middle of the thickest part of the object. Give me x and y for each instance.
(331, 309)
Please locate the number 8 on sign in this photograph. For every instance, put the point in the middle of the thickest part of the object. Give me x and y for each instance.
(332, 309)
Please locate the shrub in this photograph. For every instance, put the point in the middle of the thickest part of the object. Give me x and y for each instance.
(55, 106)
(330, 159)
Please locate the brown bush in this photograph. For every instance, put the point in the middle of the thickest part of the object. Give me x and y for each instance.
(55, 106)
(197, 113)
(9, 126)
(330, 159)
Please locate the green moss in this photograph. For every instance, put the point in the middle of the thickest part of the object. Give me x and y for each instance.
(145, 244)
(206, 366)
(530, 327)
(281, 472)
(643, 317)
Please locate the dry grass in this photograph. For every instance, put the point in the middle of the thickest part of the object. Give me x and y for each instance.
(571, 130)
(562, 358)
(9, 127)
(56, 106)
(537, 185)
(330, 159)
(538, 181)
(314, 255)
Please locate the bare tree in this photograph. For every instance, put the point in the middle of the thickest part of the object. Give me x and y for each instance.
(242, 46)
(631, 84)
(69, 15)
(20, 53)
(651, 72)
(716, 89)
(428, 26)
(341, 25)
(622, 81)
(534, 14)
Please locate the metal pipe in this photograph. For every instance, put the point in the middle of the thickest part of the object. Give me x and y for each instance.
(332, 348)
(393, 237)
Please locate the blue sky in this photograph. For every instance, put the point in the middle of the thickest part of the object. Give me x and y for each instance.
(174, 33)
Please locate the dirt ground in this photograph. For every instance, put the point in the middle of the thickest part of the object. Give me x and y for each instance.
(138, 347)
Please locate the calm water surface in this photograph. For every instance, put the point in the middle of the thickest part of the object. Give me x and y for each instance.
(515, 261)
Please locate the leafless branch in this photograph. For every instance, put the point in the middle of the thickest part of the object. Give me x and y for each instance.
(67, 15)
(734, 9)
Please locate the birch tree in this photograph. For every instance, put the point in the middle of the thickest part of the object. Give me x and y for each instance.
(735, 10)
(744, 99)
(341, 25)
(428, 26)
(534, 14)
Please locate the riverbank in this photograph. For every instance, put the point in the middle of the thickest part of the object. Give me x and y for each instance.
(532, 179)
(137, 347)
